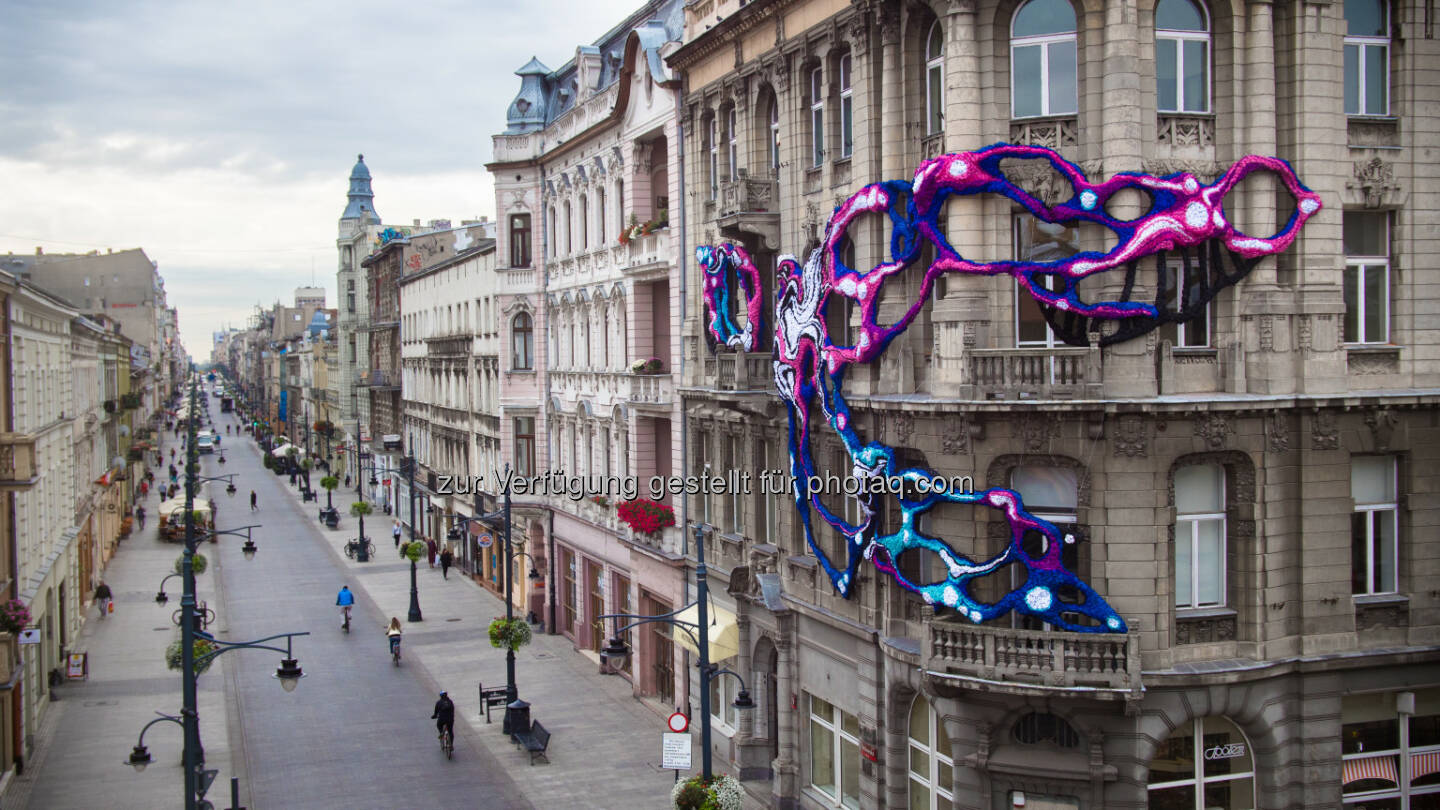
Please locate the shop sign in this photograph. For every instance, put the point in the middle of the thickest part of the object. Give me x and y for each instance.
(1231, 751)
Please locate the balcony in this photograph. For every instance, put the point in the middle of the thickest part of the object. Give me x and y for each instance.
(449, 346)
(378, 378)
(649, 255)
(649, 389)
(17, 461)
(753, 371)
(1039, 373)
(605, 388)
(1100, 665)
(750, 205)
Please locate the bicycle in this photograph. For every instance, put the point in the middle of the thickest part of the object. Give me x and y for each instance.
(353, 547)
(447, 742)
(395, 649)
(345, 611)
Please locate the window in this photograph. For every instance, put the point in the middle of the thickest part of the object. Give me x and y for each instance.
(584, 222)
(1037, 241)
(1377, 740)
(847, 109)
(935, 80)
(550, 233)
(1042, 59)
(600, 217)
(568, 593)
(1186, 290)
(1367, 57)
(734, 154)
(1200, 536)
(1373, 544)
(524, 445)
(519, 240)
(817, 119)
(735, 505)
(930, 762)
(775, 134)
(834, 753)
(712, 144)
(569, 245)
(1367, 277)
(522, 346)
(1053, 494)
(723, 692)
(1205, 763)
(1182, 57)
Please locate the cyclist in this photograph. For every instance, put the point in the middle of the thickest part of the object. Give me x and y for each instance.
(393, 633)
(346, 600)
(444, 716)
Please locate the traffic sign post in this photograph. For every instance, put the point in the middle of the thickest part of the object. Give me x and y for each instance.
(675, 752)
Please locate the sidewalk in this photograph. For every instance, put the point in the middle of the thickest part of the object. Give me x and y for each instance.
(605, 752)
(87, 734)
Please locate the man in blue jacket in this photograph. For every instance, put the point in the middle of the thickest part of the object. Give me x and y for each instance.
(345, 599)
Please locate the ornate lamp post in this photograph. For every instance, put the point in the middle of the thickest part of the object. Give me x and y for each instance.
(407, 466)
(617, 650)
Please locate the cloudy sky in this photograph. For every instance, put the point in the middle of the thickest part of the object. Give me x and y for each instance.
(219, 136)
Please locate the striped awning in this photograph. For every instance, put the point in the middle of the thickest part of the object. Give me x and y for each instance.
(1377, 767)
(1424, 764)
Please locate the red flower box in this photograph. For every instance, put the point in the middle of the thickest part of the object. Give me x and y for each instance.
(645, 516)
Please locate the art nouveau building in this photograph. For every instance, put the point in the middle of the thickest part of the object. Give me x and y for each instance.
(1248, 486)
(585, 176)
(358, 227)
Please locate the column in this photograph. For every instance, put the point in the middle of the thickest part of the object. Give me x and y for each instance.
(786, 785)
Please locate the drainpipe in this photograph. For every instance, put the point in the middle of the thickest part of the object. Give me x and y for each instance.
(544, 257)
(684, 415)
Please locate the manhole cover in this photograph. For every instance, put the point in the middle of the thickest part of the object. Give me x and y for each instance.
(159, 628)
(543, 656)
(453, 620)
(98, 703)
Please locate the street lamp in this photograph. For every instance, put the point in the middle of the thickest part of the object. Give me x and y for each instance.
(503, 516)
(617, 650)
(196, 778)
(407, 467)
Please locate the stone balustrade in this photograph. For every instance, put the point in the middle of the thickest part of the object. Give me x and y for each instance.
(1033, 658)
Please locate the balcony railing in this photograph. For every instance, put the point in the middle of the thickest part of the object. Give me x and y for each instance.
(449, 346)
(649, 251)
(1049, 660)
(1041, 372)
(747, 195)
(752, 371)
(608, 386)
(378, 378)
(17, 461)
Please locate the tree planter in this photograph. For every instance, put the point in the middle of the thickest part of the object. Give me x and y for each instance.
(509, 634)
(722, 793)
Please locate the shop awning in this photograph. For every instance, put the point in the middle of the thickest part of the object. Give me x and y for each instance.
(724, 634)
(284, 450)
(1380, 767)
(176, 506)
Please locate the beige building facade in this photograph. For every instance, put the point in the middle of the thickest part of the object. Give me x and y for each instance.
(1247, 487)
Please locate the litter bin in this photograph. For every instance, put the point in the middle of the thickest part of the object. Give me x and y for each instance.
(517, 718)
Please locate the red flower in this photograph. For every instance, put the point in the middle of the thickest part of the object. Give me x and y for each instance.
(645, 516)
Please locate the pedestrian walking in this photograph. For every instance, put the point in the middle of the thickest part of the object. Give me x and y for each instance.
(396, 532)
(102, 598)
(253, 501)
(144, 488)
(447, 558)
(140, 516)
(431, 550)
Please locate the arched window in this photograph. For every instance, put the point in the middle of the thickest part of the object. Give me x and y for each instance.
(584, 222)
(569, 245)
(930, 762)
(817, 117)
(522, 346)
(775, 134)
(1367, 57)
(712, 145)
(935, 80)
(1042, 59)
(1204, 763)
(733, 155)
(847, 108)
(550, 233)
(600, 217)
(1043, 727)
(1182, 57)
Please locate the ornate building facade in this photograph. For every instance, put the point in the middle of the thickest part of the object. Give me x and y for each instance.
(1245, 487)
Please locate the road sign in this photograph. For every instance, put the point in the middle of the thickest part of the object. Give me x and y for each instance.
(678, 722)
(675, 751)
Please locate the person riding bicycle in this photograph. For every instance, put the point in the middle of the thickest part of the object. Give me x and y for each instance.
(393, 632)
(346, 600)
(444, 716)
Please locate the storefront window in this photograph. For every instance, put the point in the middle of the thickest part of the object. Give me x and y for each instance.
(834, 754)
(930, 763)
(1205, 764)
(1390, 759)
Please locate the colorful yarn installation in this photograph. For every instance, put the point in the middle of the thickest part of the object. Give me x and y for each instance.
(810, 367)
(718, 264)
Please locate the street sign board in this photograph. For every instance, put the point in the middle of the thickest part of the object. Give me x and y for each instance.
(678, 722)
(675, 751)
(485, 541)
(31, 636)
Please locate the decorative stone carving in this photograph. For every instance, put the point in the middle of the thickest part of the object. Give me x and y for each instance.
(1304, 332)
(1204, 631)
(1371, 132)
(957, 441)
(904, 428)
(1039, 179)
(1389, 616)
(1375, 179)
(1324, 431)
(1132, 437)
(1182, 131)
(1214, 428)
(1267, 333)
(1382, 423)
(1037, 430)
(1373, 362)
(1277, 428)
(1058, 133)
(1206, 171)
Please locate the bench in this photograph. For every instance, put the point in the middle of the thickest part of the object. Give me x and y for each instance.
(497, 696)
(535, 741)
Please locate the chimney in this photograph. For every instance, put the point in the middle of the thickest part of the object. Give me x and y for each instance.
(39, 251)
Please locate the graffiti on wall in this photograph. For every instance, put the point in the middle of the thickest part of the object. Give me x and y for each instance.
(1185, 218)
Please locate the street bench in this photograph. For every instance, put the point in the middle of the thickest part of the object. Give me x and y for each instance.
(535, 741)
(495, 696)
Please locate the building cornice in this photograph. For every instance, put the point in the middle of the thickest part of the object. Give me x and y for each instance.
(724, 32)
